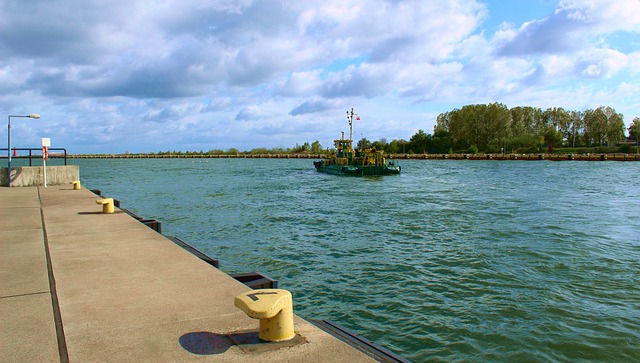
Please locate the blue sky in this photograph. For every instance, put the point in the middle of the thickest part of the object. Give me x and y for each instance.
(155, 75)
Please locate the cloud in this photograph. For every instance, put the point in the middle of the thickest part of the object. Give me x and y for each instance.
(554, 34)
(604, 16)
(245, 71)
(427, 82)
(312, 106)
(366, 80)
(602, 63)
(299, 84)
(186, 48)
(167, 112)
(573, 27)
(251, 113)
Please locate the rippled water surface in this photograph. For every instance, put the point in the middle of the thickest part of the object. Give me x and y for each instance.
(468, 261)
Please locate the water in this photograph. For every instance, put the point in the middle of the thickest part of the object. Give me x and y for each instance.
(468, 261)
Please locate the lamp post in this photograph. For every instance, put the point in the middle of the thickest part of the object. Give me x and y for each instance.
(31, 115)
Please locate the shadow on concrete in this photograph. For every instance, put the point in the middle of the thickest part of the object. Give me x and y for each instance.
(205, 343)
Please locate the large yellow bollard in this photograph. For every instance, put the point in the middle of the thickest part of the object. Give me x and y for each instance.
(76, 185)
(274, 308)
(107, 205)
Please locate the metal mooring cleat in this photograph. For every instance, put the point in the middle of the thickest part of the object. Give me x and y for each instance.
(274, 308)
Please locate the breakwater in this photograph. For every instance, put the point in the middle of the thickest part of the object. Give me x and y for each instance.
(554, 157)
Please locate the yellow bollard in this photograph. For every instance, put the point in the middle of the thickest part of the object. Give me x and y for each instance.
(76, 185)
(274, 308)
(107, 205)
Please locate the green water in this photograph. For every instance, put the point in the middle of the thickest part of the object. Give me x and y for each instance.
(469, 261)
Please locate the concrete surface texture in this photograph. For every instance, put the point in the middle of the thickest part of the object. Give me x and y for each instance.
(78, 285)
(33, 176)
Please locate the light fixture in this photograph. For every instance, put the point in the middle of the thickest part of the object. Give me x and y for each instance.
(31, 115)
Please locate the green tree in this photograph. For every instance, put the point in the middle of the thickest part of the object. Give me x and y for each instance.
(279, 150)
(523, 134)
(259, 151)
(564, 125)
(615, 126)
(364, 144)
(302, 148)
(576, 127)
(634, 129)
(451, 123)
(316, 148)
(552, 137)
(498, 125)
(420, 141)
(473, 130)
(397, 147)
(556, 120)
(595, 126)
(522, 143)
(441, 141)
(525, 120)
(517, 121)
(380, 144)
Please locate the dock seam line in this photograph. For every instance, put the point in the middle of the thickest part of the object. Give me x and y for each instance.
(57, 318)
(29, 294)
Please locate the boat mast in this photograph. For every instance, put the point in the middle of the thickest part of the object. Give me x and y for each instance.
(350, 115)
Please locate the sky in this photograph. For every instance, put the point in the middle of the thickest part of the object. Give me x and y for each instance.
(137, 76)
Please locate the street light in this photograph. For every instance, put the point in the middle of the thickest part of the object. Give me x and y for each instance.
(31, 115)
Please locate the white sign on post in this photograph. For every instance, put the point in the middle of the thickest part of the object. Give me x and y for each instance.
(46, 142)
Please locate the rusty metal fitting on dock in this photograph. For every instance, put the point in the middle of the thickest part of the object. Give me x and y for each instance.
(107, 205)
(76, 185)
(274, 308)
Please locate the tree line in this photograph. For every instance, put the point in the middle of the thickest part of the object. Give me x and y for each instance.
(494, 128)
(313, 148)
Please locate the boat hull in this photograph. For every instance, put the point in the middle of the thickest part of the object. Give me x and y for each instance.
(351, 170)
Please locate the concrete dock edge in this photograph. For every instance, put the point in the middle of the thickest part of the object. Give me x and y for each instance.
(125, 293)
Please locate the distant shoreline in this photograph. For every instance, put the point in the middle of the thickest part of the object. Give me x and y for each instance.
(540, 156)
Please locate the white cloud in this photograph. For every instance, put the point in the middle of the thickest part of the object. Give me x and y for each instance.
(299, 84)
(192, 70)
(252, 112)
(574, 26)
(602, 63)
(603, 16)
(634, 63)
(314, 105)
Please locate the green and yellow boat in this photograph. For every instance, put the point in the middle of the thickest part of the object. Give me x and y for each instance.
(345, 160)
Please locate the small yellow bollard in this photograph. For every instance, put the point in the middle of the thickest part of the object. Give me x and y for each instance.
(274, 308)
(107, 205)
(76, 185)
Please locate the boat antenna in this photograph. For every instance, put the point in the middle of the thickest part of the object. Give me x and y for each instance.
(350, 115)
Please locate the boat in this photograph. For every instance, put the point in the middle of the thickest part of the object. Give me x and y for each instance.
(345, 160)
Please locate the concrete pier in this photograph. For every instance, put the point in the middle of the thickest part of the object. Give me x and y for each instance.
(33, 176)
(77, 285)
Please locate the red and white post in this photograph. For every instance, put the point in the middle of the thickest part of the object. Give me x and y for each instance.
(46, 143)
